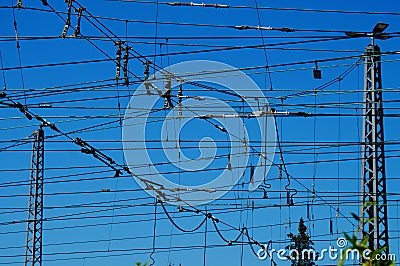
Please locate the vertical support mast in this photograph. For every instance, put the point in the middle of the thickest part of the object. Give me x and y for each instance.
(33, 249)
(373, 185)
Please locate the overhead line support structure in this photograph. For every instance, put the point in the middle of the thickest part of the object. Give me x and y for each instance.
(34, 236)
(374, 216)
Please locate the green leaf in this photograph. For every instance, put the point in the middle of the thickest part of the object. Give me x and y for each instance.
(365, 241)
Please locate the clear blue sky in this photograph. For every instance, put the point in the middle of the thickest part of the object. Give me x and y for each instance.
(88, 227)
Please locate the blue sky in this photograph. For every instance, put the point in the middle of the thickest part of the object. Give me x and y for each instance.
(86, 226)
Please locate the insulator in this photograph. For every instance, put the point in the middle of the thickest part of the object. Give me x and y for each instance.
(180, 94)
(146, 77)
(288, 197)
(313, 195)
(78, 24)
(252, 174)
(265, 196)
(68, 20)
(229, 163)
(167, 94)
(118, 59)
(125, 66)
(244, 146)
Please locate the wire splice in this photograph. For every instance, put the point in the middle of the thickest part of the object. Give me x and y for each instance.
(197, 4)
(249, 115)
(247, 27)
(220, 128)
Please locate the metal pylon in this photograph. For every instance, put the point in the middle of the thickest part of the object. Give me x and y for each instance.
(373, 185)
(33, 249)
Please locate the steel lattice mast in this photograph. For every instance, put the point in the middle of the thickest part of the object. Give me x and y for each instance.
(33, 249)
(373, 184)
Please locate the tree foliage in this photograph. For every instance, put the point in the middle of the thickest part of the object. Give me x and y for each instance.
(301, 250)
(361, 246)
